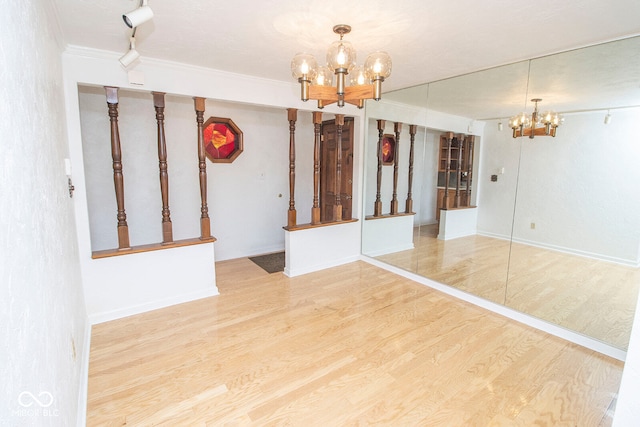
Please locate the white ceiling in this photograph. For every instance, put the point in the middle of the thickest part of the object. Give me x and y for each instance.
(427, 39)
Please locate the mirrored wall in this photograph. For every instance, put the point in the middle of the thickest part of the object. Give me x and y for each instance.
(555, 219)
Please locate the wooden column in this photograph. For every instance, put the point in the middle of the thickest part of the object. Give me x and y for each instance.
(315, 210)
(205, 222)
(293, 116)
(397, 127)
(447, 170)
(118, 178)
(412, 133)
(337, 208)
(469, 154)
(377, 207)
(167, 228)
(456, 202)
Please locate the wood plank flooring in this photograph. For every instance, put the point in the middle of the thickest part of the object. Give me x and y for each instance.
(593, 297)
(353, 345)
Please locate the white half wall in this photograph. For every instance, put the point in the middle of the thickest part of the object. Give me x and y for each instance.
(313, 249)
(457, 223)
(124, 285)
(387, 235)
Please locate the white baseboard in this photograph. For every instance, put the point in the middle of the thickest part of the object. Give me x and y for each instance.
(152, 305)
(562, 249)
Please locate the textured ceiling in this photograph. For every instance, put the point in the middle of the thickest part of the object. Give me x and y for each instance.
(427, 39)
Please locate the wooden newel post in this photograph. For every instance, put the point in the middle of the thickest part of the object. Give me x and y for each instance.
(337, 208)
(412, 133)
(205, 224)
(118, 178)
(394, 201)
(315, 210)
(167, 228)
(377, 207)
(291, 216)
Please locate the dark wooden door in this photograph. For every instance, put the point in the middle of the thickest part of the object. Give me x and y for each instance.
(328, 166)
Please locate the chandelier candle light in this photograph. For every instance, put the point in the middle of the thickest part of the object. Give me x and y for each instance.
(544, 124)
(364, 83)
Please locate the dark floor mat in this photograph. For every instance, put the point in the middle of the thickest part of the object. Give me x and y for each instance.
(271, 263)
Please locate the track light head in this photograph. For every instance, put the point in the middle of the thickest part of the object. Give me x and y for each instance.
(131, 55)
(138, 16)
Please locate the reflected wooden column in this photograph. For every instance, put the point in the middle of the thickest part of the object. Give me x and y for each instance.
(469, 155)
(412, 133)
(292, 116)
(118, 177)
(337, 208)
(447, 171)
(397, 127)
(205, 222)
(315, 210)
(167, 227)
(377, 207)
(456, 202)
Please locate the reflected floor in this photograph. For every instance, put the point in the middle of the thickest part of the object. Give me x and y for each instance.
(589, 296)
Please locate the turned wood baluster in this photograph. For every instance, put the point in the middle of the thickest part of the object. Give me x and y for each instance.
(397, 127)
(315, 210)
(456, 202)
(118, 178)
(447, 171)
(293, 116)
(167, 228)
(205, 224)
(412, 133)
(377, 207)
(337, 208)
(469, 152)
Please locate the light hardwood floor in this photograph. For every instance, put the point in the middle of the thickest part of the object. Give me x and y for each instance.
(353, 345)
(589, 296)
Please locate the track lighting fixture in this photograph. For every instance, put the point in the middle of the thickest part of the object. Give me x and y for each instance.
(607, 118)
(138, 16)
(131, 55)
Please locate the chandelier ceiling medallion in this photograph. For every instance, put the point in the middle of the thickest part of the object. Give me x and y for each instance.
(364, 83)
(537, 124)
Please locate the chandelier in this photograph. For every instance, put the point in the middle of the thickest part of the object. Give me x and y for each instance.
(364, 83)
(544, 124)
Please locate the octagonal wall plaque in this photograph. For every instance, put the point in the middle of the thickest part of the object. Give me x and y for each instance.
(222, 140)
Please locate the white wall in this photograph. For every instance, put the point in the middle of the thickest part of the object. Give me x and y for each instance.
(578, 188)
(44, 330)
